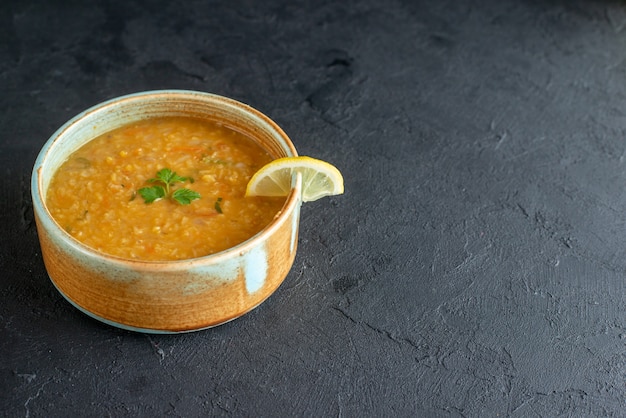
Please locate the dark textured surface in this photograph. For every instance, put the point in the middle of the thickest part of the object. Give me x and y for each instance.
(476, 265)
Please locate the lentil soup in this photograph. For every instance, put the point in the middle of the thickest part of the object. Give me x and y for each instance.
(94, 193)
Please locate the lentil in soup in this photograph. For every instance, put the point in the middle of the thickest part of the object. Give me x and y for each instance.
(94, 194)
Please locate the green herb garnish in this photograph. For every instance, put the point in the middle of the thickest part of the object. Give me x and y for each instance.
(185, 196)
(218, 208)
(167, 178)
(150, 194)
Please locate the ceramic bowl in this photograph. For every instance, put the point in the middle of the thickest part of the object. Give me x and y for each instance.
(166, 296)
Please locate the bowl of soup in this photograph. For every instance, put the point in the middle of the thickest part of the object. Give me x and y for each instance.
(142, 216)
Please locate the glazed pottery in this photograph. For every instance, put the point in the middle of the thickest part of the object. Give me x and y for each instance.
(166, 296)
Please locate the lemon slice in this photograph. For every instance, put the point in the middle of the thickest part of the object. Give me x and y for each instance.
(319, 178)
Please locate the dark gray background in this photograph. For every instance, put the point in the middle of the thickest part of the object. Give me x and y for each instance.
(475, 266)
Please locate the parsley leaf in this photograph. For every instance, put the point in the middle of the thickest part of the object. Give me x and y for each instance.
(150, 194)
(168, 177)
(185, 196)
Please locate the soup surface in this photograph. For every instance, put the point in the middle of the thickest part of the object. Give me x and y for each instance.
(95, 195)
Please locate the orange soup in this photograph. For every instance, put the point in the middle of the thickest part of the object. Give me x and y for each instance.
(95, 195)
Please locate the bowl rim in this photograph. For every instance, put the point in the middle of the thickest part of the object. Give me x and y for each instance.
(292, 201)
